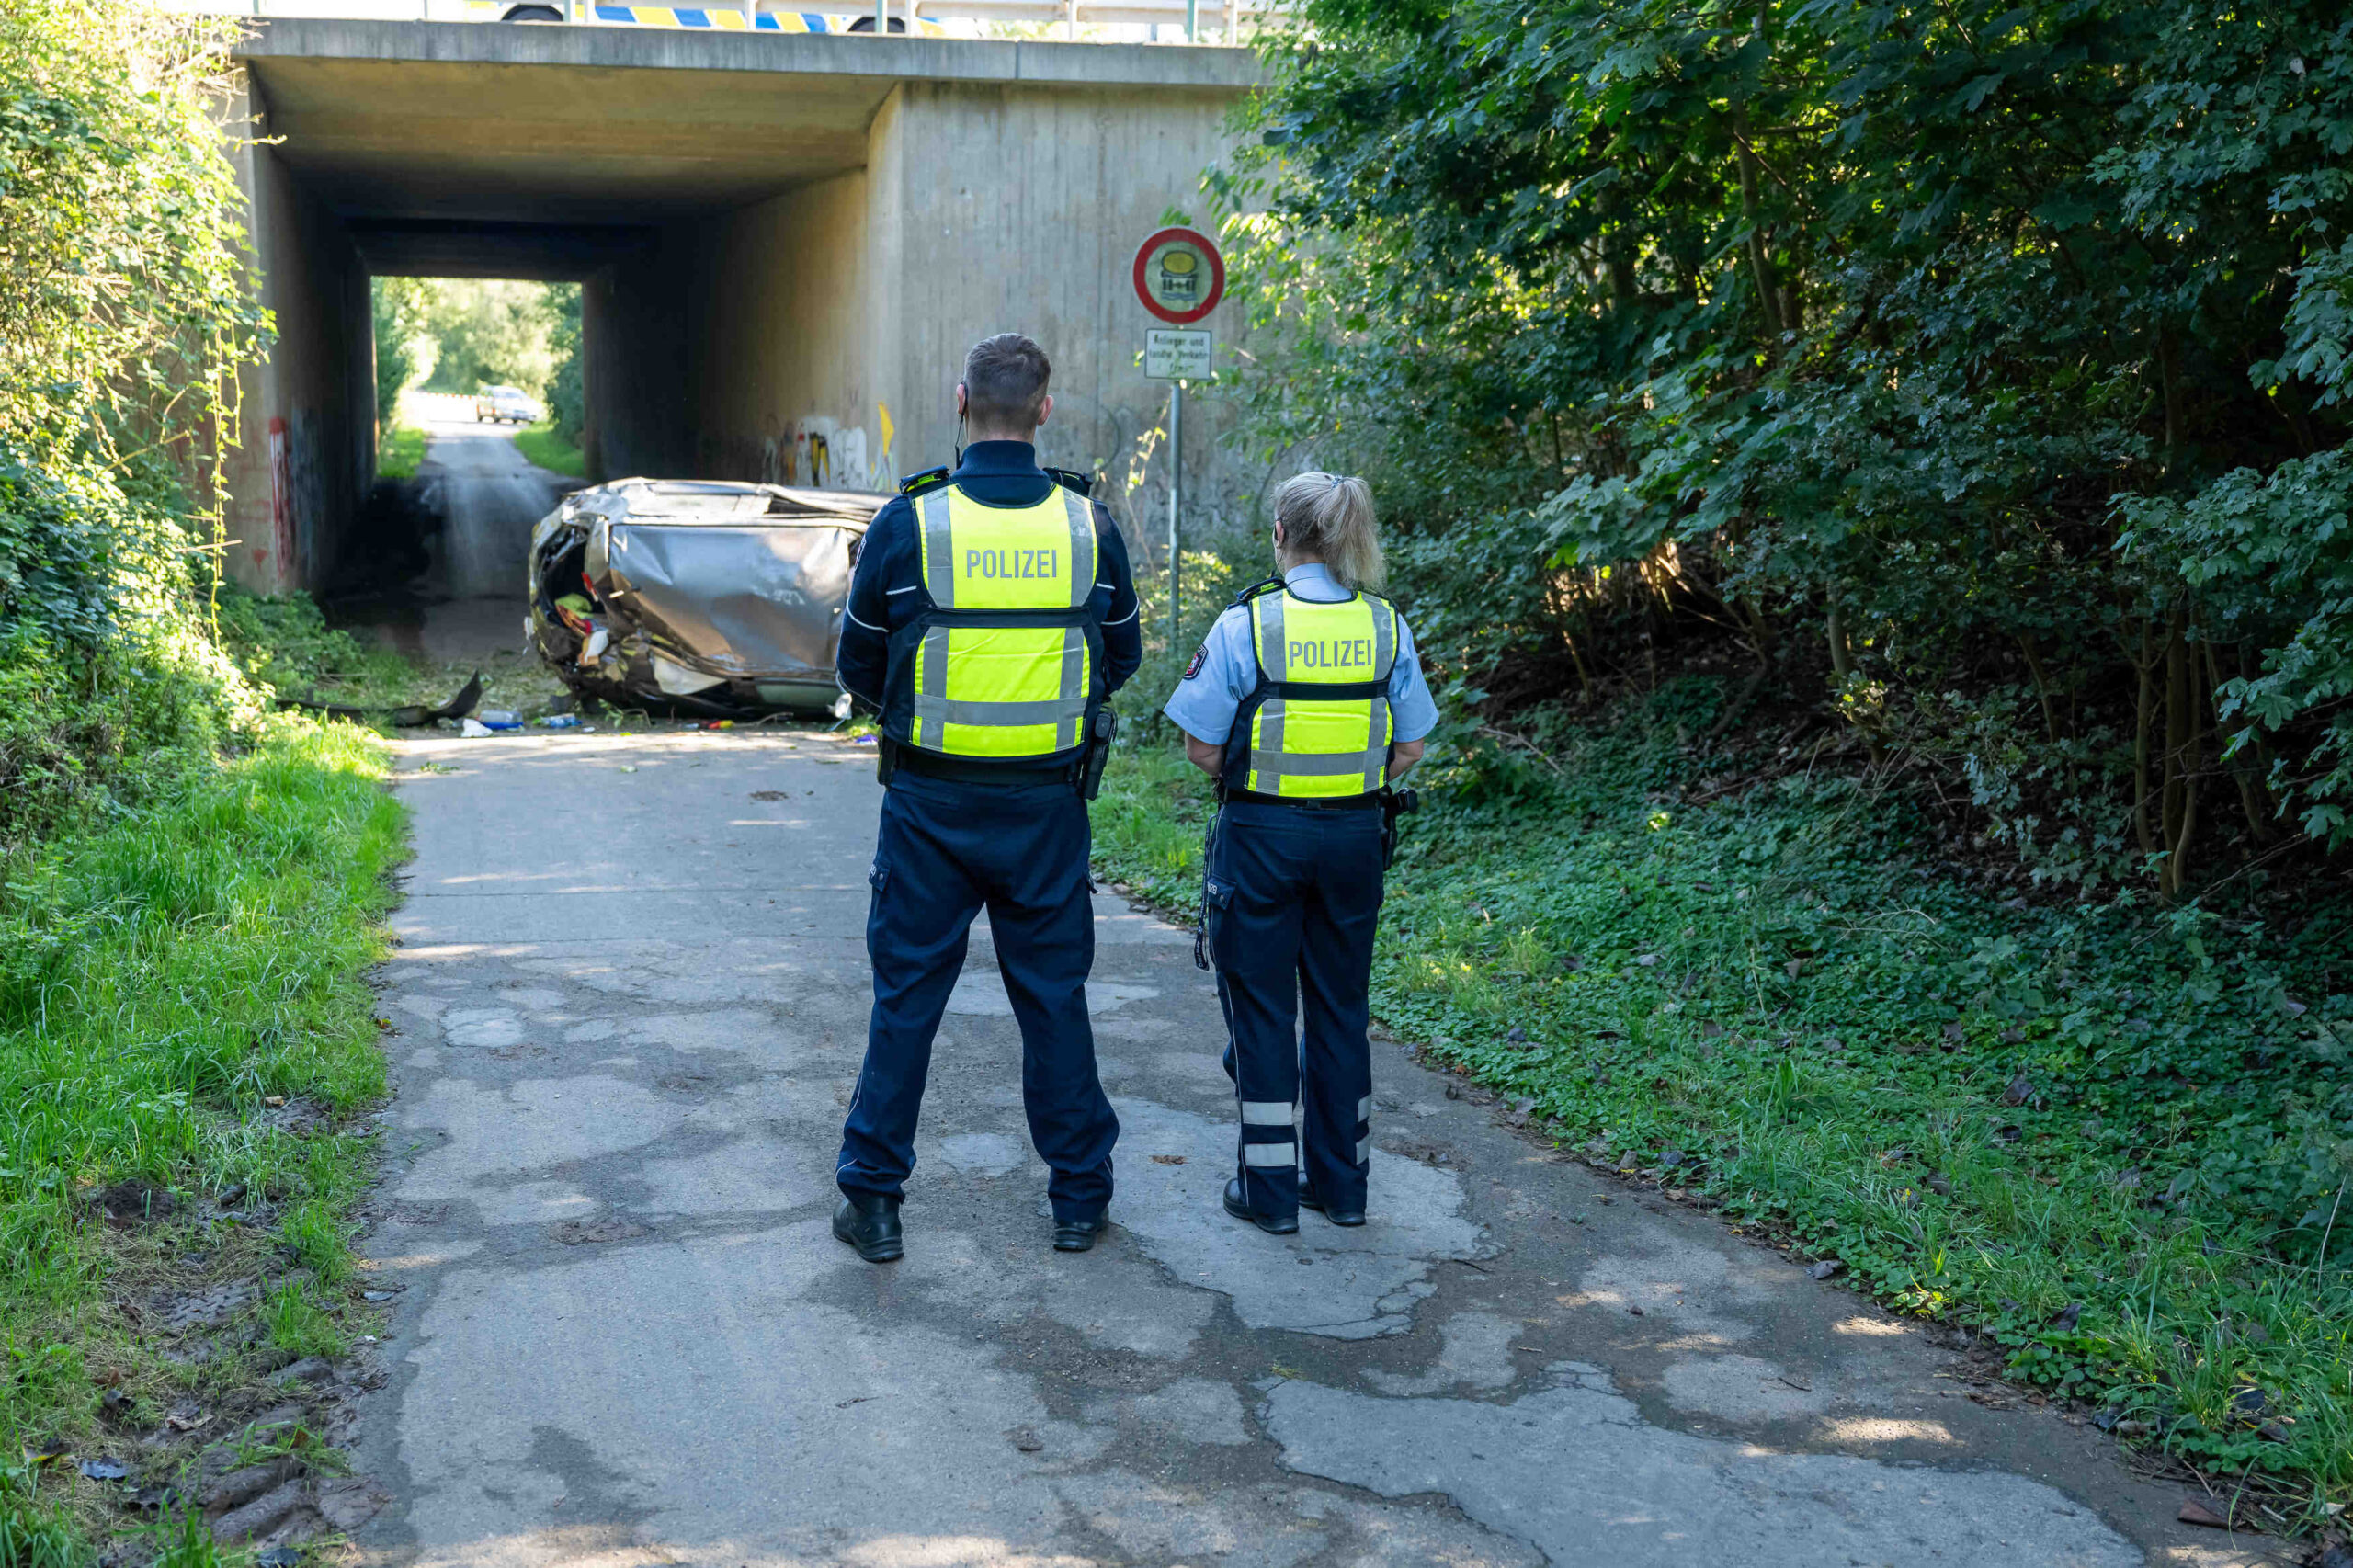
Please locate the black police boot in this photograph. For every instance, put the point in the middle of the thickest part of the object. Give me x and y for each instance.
(870, 1222)
(1077, 1235)
(1308, 1200)
(1236, 1206)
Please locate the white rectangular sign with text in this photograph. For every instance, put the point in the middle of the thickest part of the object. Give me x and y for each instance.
(1173, 355)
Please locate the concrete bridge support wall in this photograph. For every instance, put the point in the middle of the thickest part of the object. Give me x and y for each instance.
(639, 321)
(791, 292)
(307, 444)
(982, 208)
(786, 245)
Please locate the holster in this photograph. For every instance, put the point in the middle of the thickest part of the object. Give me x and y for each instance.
(886, 759)
(1098, 752)
(1395, 803)
(1209, 854)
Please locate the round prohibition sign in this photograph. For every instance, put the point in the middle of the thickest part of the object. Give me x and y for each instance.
(1179, 275)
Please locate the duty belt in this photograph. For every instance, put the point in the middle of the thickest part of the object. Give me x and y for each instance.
(1083, 773)
(1304, 803)
(955, 770)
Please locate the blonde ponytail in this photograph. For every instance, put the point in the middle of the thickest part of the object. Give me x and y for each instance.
(1330, 516)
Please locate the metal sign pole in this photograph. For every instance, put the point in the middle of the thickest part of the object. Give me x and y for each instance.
(1180, 278)
(1175, 504)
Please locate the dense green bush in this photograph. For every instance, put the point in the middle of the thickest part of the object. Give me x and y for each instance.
(395, 310)
(110, 686)
(124, 312)
(2270, 561)
(124, 304)
(1857, 338)
(567, 389)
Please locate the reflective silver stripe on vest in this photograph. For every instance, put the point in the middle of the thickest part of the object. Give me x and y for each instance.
(1267, 613)
(1072, 714)
(1385, 662)
(1324, 765)
(1081, 548)
(933, 707)
(931, 686)
(1272, 657)
(1000, 715)
(1268, 742)
(939, 548)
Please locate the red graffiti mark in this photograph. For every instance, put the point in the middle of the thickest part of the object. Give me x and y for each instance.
(281, 497)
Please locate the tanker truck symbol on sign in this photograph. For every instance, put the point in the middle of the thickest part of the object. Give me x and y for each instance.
(1180, 278)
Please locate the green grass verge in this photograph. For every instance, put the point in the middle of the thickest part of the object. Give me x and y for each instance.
(397, 455)
(2110, 1137)
(162, 983)
(542, 447)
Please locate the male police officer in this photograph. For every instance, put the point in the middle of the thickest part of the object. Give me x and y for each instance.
(991, 616)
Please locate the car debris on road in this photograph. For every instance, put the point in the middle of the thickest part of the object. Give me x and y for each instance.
(702, 598)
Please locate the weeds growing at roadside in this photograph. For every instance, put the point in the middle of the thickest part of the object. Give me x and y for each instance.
(400, 451)
(164, 987)
(543, 445)
(2109, 1135)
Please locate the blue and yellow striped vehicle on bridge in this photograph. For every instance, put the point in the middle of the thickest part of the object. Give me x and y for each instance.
(716, 19)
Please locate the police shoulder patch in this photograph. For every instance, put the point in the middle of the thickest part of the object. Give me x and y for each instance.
(1201, 657)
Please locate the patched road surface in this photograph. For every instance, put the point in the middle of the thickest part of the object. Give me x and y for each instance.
(630, 1002)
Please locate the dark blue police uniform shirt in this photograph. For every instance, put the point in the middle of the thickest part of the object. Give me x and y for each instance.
(887, 590)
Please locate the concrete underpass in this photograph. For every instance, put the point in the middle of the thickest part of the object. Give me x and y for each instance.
(785, 242)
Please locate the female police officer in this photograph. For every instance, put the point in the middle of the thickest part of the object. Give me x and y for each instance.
(1305, 703)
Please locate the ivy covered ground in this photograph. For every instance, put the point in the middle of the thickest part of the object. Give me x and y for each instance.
(2102, 1134)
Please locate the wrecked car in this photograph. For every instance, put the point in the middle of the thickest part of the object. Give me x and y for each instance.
(696, 597)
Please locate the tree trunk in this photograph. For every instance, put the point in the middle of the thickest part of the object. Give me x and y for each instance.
(2178, 816)
(2144, 717)
(2169, 385)
(2041, 685)
(1760, 261)
(2237, 743)
(1842, 662)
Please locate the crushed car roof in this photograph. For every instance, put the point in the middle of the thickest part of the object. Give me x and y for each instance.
(722, 501)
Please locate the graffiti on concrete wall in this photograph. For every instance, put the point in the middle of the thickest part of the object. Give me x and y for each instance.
(300, 503)
(279, 554)
(824, 453)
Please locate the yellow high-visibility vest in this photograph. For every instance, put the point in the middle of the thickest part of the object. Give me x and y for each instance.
(1318, 726)
(1003, 665)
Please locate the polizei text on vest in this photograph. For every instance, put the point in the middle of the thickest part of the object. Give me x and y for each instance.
(1012, 563)
(1329, 652)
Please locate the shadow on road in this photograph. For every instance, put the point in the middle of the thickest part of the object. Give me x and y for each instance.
(441, 575)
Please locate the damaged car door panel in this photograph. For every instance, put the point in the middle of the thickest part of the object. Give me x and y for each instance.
(696, 597)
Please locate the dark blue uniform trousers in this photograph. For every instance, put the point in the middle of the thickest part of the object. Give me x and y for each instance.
(946, 850)
(1294, 900)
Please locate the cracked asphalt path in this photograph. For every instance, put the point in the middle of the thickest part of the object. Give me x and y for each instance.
(630, 1001)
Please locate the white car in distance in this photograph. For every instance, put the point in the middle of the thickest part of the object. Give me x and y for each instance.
(503, 404)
